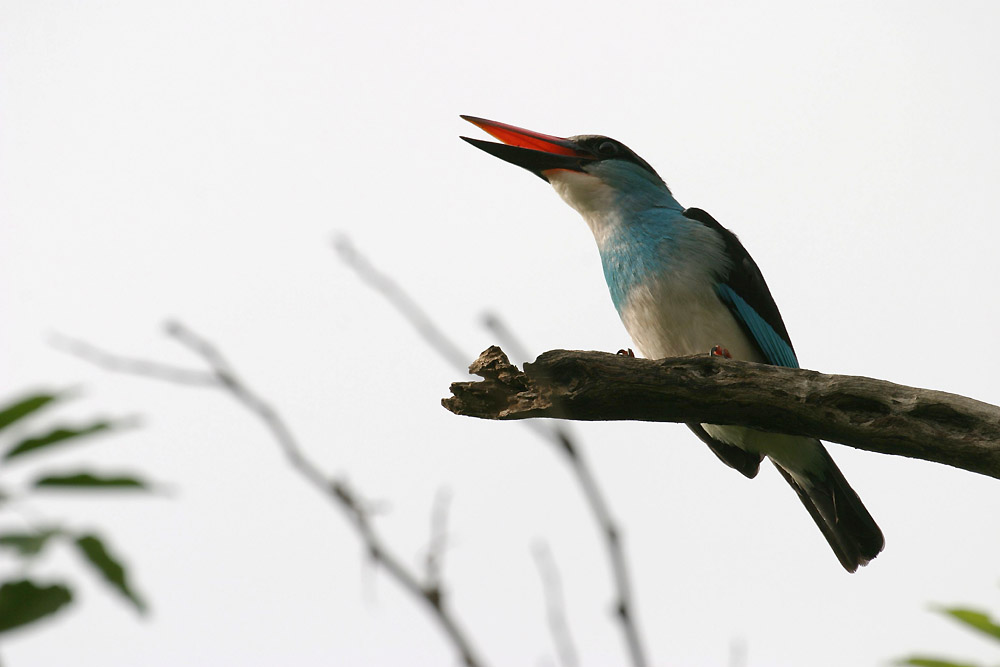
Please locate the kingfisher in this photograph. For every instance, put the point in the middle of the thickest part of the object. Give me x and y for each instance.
(683, 284)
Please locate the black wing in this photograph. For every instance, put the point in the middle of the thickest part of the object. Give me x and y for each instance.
(748, 297)
(746, 462)
(746, 294)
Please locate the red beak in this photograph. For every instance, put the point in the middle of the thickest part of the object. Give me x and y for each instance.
(533, 151)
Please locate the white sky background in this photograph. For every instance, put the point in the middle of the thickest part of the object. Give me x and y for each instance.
(194, 160)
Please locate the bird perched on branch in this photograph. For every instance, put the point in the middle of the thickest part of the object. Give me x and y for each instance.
(683, 284)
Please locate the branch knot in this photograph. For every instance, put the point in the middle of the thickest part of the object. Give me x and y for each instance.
(504, 390)
(869, 414)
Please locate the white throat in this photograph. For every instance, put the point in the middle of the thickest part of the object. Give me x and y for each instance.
(591, 197)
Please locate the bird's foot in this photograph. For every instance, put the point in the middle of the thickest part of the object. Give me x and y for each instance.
(626, 353)
(719, 351)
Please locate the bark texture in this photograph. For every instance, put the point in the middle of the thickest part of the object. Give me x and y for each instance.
(860, 412)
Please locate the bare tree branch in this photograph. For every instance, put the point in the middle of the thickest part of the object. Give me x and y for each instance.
(864, 413)
(434, 561)
(737, 652)
(401, 301)
(436, 338)
(555, 606)
(121, 364)
(624, 607)
(222, 375)
(508, 340)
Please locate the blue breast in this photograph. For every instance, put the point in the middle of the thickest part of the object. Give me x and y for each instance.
(644, 247)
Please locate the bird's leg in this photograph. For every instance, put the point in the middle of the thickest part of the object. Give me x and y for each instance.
(719, 351)
(628, 353)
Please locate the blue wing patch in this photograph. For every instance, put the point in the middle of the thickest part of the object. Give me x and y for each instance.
(773, 346)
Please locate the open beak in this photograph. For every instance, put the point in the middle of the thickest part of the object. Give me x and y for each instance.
(536, 152)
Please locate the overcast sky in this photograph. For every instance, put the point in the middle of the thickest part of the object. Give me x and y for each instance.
(194, 160)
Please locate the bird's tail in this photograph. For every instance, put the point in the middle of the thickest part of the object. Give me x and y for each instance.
(839, 513)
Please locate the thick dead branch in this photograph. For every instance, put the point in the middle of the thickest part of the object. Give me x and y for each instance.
(864, 413)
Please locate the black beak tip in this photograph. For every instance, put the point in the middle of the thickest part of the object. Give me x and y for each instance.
(481, 144)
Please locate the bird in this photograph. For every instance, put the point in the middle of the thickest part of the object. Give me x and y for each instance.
(683, 284)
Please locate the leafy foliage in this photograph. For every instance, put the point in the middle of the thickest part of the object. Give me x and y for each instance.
(110, 568)
(24, 601)
(55, 436)
(27, 544)
(976, 620)
(931, 662)
(87, 480)
(20, 409)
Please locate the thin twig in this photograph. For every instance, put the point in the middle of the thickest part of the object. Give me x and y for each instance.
(402, 301)
(121, 364)
(624, 606)
(737, 652)
(434, 562)
(555, 605)
(505, 337)
(222, 375)
(437, 339)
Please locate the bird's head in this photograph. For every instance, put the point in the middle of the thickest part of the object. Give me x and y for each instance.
(594, 174)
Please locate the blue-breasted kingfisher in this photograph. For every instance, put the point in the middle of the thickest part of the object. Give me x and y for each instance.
(683, 284)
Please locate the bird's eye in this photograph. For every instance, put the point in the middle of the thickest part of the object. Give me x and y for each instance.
(607, 149)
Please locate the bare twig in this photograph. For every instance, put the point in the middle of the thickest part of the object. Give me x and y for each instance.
(434, 562)
(737, 652)
(864, 413)
(401, 301)
(436, 338)
(508, 340)
(624, 606)
(222, 375)
(122, 364)
(555, 606)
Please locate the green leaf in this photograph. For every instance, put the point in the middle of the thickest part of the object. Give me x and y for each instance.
(12, 412)
(974, 619)
(27, 544)
(55, 436)
(86, 480)
(23, 602)
(94, 551)
(919, 661)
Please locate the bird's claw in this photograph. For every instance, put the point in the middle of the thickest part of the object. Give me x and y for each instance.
(719, 351)
(626, 353)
